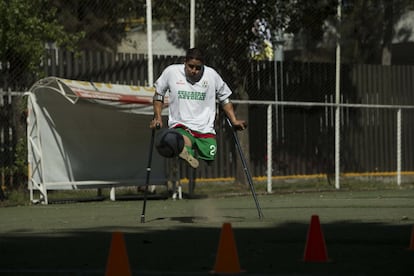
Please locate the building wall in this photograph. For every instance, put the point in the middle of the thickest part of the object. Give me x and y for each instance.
(136, 42)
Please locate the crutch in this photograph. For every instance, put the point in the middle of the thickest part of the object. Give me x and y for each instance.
(246, 169)
(148, 173)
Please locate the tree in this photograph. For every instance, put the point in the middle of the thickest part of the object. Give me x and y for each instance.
(307, 22)
(26, 26)
(224, 29)
(102, 22)
(367, 29)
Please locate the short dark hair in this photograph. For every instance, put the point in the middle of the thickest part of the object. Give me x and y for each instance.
(194, 53)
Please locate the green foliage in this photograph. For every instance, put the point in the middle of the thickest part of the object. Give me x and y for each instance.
(102, 22)
(225, 29)
(27, 25)
(368, 26)
(21, 156)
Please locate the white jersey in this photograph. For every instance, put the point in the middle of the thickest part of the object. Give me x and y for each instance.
(192, 105)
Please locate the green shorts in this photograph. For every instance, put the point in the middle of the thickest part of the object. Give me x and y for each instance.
(206, 146)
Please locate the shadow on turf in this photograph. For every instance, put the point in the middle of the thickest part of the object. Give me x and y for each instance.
(192, 219)
(126, 197)
(353, 248)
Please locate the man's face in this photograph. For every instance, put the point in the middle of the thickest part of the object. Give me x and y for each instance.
(193, 69)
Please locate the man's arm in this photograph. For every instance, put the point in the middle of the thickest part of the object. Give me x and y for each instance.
(229, 110)
(158, 103)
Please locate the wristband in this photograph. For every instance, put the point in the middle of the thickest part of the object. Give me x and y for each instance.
(225, 101)
(158, 97)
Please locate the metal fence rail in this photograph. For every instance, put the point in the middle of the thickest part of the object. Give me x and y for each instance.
(394, 166)
(300, 98)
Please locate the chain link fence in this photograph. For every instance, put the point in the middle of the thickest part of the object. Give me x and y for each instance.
(281, 51)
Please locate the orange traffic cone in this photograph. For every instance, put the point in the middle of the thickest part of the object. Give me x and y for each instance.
(227, 259)
(315, 249)
(118, 263)
(412, 240)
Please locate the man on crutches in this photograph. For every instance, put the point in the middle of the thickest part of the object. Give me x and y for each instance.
(193, 90)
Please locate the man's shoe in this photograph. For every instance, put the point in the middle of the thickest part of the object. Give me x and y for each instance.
(191, 160)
